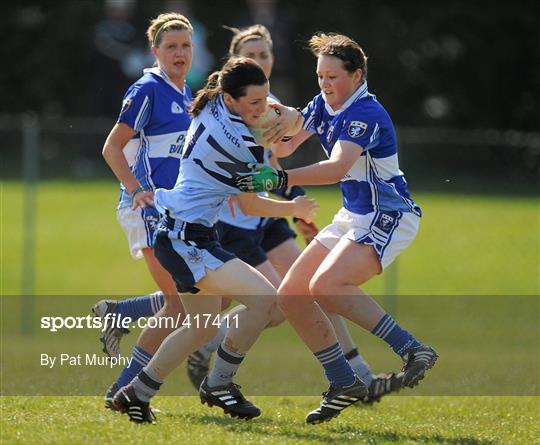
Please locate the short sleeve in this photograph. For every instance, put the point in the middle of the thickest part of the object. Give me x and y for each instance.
(310, 114)
(136, 107)
(361, 130)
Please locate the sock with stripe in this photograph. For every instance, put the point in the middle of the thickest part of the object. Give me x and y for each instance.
(225, 367)
(146, 385)
(138, 307)
(139, 359)
(336, 367)
(398, 338)
(359, 366)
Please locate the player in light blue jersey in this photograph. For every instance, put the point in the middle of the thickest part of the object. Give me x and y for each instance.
(218, 147)
(268, 243)
(143, 149)
(377, 222)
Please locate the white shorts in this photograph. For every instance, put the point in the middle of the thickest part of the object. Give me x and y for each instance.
(389, 232)
(139, 225)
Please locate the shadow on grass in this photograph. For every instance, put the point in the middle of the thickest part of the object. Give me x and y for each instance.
(347, 434)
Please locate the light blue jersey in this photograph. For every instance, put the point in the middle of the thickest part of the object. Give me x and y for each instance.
(157, 110)
(239, 219)
(218, 147)
(375, 181)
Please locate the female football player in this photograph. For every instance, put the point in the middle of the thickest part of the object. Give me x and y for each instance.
(377, 222)
(143, 151)
(268, 243)
(218, 148)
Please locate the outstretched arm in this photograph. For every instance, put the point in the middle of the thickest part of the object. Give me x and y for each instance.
(330, 171)
(265, 178)
(300, 207)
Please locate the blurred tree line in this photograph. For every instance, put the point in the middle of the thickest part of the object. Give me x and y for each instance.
(454, 64)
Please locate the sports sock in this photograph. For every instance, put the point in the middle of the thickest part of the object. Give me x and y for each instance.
(139, 359)
(225, 367)
(138, 307)
(336, 367)
(213, 345)
(146, 385)
(398, 338)
(359, 366)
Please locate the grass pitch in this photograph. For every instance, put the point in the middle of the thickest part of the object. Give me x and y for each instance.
(469, 284)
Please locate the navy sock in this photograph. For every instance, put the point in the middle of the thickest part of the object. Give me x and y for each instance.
(337, 369)
(398, 338)
(138, 307)
(139, 359)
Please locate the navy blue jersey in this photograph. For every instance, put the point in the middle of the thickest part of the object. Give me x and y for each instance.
(375, 181)
(157, 110)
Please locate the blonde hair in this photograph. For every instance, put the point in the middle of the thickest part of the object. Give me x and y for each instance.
(342, 47)
(241, 36)
(166, 22)
(234, 77)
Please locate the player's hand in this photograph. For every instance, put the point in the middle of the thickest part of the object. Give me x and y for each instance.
(307, 230)
(283, 125)
(305, 208)
(262, 179)
(142, 199)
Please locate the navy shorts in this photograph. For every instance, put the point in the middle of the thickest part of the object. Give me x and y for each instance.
(186, 250)
(276, 232)
(251, 246)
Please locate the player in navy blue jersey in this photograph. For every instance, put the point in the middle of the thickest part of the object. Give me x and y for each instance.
(218, 147)
(378, 220)
(143, 149)
(268, 243)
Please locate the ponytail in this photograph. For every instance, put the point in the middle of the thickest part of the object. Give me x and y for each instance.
(209, 92)
(235, 76)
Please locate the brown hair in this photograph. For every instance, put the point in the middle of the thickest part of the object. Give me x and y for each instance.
(233, 78)
(241, 36)
(342, 47)
(166, 22)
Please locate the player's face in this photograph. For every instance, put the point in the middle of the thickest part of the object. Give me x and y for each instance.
(175, 53)
(251, 106)
(260, 51)
(336, 83)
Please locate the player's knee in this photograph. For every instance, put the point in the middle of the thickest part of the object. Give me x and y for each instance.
(276, 318)
(289, 304)
(288, 287)
(322, 285)
(265, 305)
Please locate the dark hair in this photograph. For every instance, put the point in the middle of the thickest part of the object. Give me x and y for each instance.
(342, 47)
(241, 36)
(234, 77)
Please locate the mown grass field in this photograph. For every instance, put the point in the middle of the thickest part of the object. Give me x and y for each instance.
(469, 285)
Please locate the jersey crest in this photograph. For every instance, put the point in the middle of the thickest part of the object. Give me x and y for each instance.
(357, 129)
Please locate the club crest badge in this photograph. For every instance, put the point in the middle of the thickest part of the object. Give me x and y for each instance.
(386, 222)
(125, 105)
(357, 129)
(152, 222)
(195, 255)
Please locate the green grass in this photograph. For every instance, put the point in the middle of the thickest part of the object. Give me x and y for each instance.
(469, 249)
(403, 420)
(467, 244)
